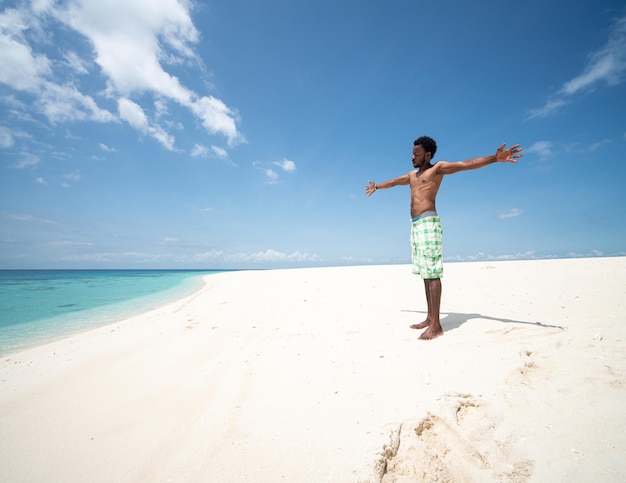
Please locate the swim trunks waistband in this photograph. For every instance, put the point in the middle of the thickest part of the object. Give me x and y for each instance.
(426, 214)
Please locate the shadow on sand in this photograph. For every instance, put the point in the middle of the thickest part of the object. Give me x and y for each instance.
(455, 320)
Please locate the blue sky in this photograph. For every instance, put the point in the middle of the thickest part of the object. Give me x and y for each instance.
(180, 134)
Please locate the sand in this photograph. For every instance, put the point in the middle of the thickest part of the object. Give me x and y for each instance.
(313, 375)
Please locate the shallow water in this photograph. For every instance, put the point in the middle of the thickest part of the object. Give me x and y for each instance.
(37, 306)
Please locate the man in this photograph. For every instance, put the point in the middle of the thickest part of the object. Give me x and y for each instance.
(426, 232)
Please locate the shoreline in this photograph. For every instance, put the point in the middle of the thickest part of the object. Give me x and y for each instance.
(312, 374)
(131, 313)
(23, 335)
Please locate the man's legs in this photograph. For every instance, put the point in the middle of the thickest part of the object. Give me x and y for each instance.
(433, 299)
(432, 325)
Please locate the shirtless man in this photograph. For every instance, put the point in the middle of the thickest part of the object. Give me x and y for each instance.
(426, 232)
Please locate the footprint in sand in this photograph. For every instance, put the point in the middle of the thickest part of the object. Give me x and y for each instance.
(457, 443)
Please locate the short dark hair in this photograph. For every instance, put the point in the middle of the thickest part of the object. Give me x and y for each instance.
(428, 143)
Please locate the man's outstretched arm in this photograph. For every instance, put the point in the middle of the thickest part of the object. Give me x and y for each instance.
(399, 181)
(502, 155)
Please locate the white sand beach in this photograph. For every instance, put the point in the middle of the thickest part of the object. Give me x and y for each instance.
(313, 375)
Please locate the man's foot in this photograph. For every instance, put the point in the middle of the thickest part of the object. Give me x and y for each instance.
(431, 333)
(421, 325)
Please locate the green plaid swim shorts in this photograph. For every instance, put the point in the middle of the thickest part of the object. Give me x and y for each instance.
(426, 243)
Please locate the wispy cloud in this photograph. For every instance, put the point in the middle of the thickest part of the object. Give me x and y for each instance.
(269, 255)
(212, 152)
(543, 149)
(27, 160)
(74, 62)
(199, 151)
(70, 243)
(133, 114)
(513, 213)
(6, 138)
(114, 257)
(69, 178)
(481, 256)
(606, 65)
(26, 218)
(219, 152)
(548, 149)
(272, 176)
(286, 165)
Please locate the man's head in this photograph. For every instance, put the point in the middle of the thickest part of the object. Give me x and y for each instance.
(428, 143)
(424, 149)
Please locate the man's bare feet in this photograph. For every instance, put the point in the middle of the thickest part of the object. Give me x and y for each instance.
(431, 333)
(421, 325)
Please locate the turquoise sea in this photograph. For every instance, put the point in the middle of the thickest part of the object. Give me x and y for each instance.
(37, 306)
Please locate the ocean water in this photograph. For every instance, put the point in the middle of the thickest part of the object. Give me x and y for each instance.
(37, 306)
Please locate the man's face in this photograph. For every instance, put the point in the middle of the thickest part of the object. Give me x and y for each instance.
(420, 157)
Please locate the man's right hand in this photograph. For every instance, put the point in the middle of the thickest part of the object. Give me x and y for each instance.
(370, 188)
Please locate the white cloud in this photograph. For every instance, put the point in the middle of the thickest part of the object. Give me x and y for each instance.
(133, 38)
(605, 65)
(25, 70)
(271, 175)
(216, 117)
(42, 181)
(199, 151)
(592, 148)
(128, 35)
(62, 103)
(69, 178)
(134, 115)
(28, 160)
(544, 149)
(75, 176)
(70, 243)
(114, 257)
(6, 137)
(480, 256)
(271, 255)
(202, 151)
(210, 256)
(547, 149)
(286, 165)
(42, 6)
(592, 253)
(21, 68)
(548, 108)
(132, 42)
(27, 218)
(219, 152)
(510, 213)
(268, 256)
(106, 148)
(77, 64)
